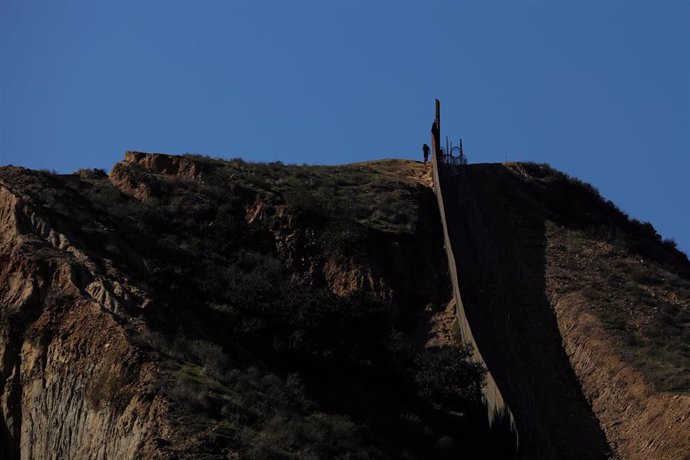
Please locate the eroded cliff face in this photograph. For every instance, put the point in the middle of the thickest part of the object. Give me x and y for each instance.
(71, 385)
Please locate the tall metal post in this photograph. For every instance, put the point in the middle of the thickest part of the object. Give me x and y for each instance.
(438, 119)
(436, 132)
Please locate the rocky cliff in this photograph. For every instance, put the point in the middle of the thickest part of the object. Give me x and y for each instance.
(71, 383)
(186, 307)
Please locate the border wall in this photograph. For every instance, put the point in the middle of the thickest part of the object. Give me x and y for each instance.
(497, 409)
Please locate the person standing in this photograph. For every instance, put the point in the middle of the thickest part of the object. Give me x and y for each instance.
(425, 149)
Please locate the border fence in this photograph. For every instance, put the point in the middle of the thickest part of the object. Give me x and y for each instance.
(498, 412)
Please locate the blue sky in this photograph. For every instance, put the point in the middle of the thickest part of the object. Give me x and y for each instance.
(599, 89)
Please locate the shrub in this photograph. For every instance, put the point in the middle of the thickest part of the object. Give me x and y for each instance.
(191, 395)
(446, 376)
(209, 355)
(643, 275)
(109, 388)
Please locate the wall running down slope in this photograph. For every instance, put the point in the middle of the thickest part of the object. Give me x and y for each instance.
(494, 240)
(496, 406)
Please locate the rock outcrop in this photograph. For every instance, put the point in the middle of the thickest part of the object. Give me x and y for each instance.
(71, 384)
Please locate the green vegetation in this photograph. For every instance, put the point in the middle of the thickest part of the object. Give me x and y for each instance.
(639, 302)
(259, 353)
(359, 193)
(444, 379)
(638, 284)
(577, 205)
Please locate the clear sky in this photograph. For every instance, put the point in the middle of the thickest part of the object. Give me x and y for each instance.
(599, 89)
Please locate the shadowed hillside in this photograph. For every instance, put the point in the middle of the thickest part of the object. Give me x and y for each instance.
(197, 308)
(187, 307)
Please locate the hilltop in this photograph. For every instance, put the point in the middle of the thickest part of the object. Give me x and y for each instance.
(189, 307)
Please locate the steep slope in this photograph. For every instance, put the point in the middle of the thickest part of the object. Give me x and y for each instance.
(581, 314)
(184, 307)
(70, 381)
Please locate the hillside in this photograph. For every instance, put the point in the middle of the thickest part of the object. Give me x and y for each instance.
(582, 314)
(187, 307)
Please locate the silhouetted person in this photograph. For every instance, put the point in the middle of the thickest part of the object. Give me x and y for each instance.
(425, 148)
